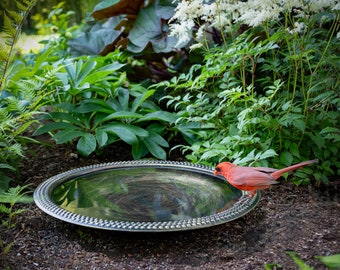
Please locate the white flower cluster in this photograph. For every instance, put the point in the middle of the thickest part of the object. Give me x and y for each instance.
(223, 13)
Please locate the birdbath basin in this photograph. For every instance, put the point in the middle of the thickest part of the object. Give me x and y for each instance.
(143, 196)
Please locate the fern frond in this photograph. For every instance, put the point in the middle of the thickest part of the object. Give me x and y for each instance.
(23, 6)
(12, 25)
(15, 17)
(15, 105)
(3, 52)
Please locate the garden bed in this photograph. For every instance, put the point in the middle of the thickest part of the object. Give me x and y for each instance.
(288, 218)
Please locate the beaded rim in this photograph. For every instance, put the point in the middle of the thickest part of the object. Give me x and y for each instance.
(42, 198)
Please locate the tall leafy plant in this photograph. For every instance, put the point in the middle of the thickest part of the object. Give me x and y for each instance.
(253, 100)
(134, 26)
(15, 114)
(95, 105)
(17, 99)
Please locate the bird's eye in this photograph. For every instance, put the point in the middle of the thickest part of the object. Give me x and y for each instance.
(217, 169)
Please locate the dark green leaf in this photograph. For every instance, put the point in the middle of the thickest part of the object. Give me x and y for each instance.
(52, 127)
(140, 100)
(154, 148)
(86, 144)
(67, 135)
(101, 137)
(286, 158)
(137, 150)
(124, 132)
(159, 115)
(101, 73)
(122, 114)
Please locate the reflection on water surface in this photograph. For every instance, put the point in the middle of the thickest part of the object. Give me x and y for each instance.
(145, 194)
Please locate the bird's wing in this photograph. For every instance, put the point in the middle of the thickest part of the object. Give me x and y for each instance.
(251, 176)
(264, 169)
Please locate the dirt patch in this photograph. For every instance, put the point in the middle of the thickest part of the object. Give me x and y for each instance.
(288, 218)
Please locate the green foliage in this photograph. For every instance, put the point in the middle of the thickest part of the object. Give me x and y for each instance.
(18, 99)
(130, 25)
(264, 96)
(300, 263)
(97, 106)
(8, 214)
(56, 25)
(332, 261)
(13, 22)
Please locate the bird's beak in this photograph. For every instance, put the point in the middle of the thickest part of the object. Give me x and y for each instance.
(216, 173)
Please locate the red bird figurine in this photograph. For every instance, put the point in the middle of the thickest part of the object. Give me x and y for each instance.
(254, 178)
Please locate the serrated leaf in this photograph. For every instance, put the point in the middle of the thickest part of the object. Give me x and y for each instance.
(294, 149)
(330, 130)
(300, 124)
(286, 158)
(317, 139)
(268, 153)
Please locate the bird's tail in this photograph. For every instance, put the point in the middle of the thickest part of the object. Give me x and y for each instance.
(278, 173)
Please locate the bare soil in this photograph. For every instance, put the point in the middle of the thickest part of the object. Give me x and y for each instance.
(288, 218)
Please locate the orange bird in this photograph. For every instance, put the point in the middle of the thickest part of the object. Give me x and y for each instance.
(254, 178)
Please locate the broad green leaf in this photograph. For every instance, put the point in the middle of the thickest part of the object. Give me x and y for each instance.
(67, 117)
(137, 150)
(67, 135)
(101, 137)
(93, 105)
(86, 144)
(122, 114)
(98, 41)
(318, 140)
(294, 149)
(158, 139)
(124, 132)
(101, 73)
(86, 69)
(123, 98)
(148, 28)
(140, 100)
(159, 115)
(6, 166)
(105, 4)
(52, 127)
(154, 148)
(332, 261)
